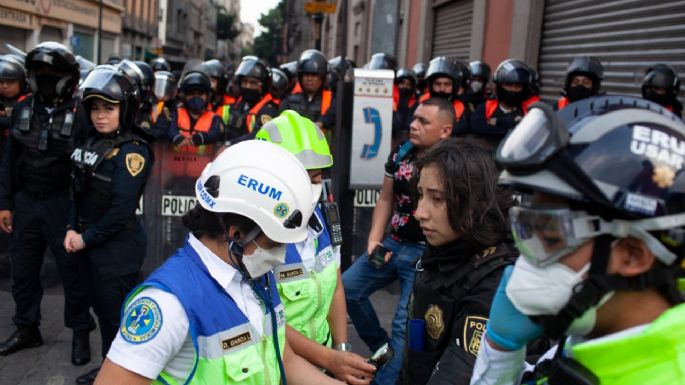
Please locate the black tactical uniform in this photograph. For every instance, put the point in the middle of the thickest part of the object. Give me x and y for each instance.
(34, 185)
(452, 292)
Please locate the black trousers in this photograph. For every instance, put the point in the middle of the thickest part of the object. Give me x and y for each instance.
(38, 224)
(111, 271)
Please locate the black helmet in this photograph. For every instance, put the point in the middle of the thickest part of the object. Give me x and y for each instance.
(254, 67)
(312, 62)
(148, 76)
(12, 68)
(160, 64)
(335, 64)
(196, 80)
(136, 75)
(587, 66)
(618, 160)
(517, 72)
(405, 73)
(535, 82)
(382, 61)
(662, 76)
(465, 72)
(442, 66)
(279, 83)
(480, 69)
(59, 57)
(290, 69)
(111, 84)
(216, 70)
(420, 70)
(165, 85)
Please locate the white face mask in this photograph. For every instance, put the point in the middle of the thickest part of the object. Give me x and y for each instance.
(542, 290)
(476, 86)
(262, 261)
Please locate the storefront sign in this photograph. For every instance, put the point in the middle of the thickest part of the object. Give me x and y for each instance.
(17, 19)
(80, 12)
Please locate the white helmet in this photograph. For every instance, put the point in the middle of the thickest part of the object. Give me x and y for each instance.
(263, 182)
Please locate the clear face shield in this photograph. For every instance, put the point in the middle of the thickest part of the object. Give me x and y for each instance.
(165, 86)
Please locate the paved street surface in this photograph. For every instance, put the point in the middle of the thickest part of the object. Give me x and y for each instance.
(50, 364)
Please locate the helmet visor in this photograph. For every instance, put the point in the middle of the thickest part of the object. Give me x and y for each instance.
(165, 86)
(103, 84)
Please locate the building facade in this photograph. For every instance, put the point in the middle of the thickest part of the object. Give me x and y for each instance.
(25, 23)
(187, 30)
(139, 38)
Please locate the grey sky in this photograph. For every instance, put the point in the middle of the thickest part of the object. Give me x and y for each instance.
(250, 10)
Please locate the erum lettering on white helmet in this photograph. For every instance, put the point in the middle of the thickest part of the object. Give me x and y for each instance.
(263, 182)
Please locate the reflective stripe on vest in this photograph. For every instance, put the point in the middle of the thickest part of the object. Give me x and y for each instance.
(252, 114)
(651, 356)
(224, 112)
(562, 102)
(228, 349)
(307, 295)
(203, 123)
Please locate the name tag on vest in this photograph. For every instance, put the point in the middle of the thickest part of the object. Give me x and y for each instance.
(290, 273)
(236, 341)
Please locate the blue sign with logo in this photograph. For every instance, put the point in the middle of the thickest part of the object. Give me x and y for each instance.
(75, 40)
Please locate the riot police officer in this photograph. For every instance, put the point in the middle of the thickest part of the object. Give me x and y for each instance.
(34, 196)
(164, 90)
(255, 105)
(314, 101)
(420, 72)
(13, 89)
(404, 104)
(381, 61)
(290, 69)
(218, 76)
(336, 71)
(160, 64)
(661, 84)
(443, 80)
(109, 173)
(478, 83)
(493, 119)
(583, 79)
(142, 76)
(279, 85)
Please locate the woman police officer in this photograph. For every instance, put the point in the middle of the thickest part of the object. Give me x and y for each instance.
(211, 313)
(109, 173)
(309, 281)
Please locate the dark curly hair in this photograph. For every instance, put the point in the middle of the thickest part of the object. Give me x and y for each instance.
(477, 207)
(202, 222)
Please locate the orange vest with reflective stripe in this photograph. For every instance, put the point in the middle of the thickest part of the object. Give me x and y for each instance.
(252, 114)
(154, 114)
(203, 124)
(396, 98)
(528, 102)
(492, 104)
(562, 102)
(426, 95)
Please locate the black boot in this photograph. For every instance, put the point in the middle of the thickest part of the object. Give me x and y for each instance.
(80, 348)
(88, 378)
(24, 337)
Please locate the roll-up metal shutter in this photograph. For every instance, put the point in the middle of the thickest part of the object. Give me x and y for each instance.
(452, 29)
(627, 36)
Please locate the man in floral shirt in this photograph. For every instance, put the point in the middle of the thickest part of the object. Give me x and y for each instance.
(432, 123)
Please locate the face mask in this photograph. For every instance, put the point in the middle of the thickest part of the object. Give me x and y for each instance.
(542, 290)
(262, 261)
(578, 93)
(47, 87)
(444, 95)
(664, 100)
(196, 104)
(249, 95)
(510, 98)
(476, 86)
(584, 324)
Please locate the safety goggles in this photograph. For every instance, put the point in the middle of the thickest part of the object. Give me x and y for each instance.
(539, 136)
(544, 236)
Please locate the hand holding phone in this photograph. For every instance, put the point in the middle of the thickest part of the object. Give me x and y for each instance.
(381, 357)
(378, 257)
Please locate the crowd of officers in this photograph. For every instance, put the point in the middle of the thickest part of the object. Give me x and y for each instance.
(76, 155)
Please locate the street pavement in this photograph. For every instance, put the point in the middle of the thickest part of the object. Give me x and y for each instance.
(50, 364)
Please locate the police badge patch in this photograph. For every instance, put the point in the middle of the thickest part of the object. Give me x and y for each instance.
(134, 163)
(142, 321)
(435, 325)
(474, 327)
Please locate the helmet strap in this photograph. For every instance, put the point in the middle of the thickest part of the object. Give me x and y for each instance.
(237, 247)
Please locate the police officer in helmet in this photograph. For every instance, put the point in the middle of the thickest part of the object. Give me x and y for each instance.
(404, 104)
(479, 82)
(420, 71)
(109, 173)
(218, 76)
(444, 80)
(160, 64)
(255, 106)
(34, 196)
(493, 119)
(314, 101)
(661, 84)
(600, 249)
(583, 80)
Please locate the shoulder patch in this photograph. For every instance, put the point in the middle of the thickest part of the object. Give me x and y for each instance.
(135, 163)
(142, 321)
(474, 327)
(265, 119)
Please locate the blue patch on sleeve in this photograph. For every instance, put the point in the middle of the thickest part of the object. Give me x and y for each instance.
(142, 321)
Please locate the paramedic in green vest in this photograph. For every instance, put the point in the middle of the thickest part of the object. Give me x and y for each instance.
(309, 282)
(211, 314)
(602, 237)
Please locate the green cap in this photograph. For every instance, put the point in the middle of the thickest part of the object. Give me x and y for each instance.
(301, 137)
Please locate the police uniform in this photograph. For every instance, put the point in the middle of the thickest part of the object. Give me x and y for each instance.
(492, 122)
(307, 282)
(34, 185)
(245, 119)
(109, 177)
(452, 293)
(196, 319)
(320, 108)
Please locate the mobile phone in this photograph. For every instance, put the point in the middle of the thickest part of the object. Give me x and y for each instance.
(381, 357)
(377, 257)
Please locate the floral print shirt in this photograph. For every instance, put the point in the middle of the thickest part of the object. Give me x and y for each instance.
(404, 226)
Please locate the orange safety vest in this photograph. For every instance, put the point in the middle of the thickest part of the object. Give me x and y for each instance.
(527, 103)
(228, 100)
(297, 89)
(326, 98)
(190, 160)
(156, 111)
(252, 114)
(562, 102)
(458, 106)
(492, 104)
(396, 98)
(203, 124)
(426, 95)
